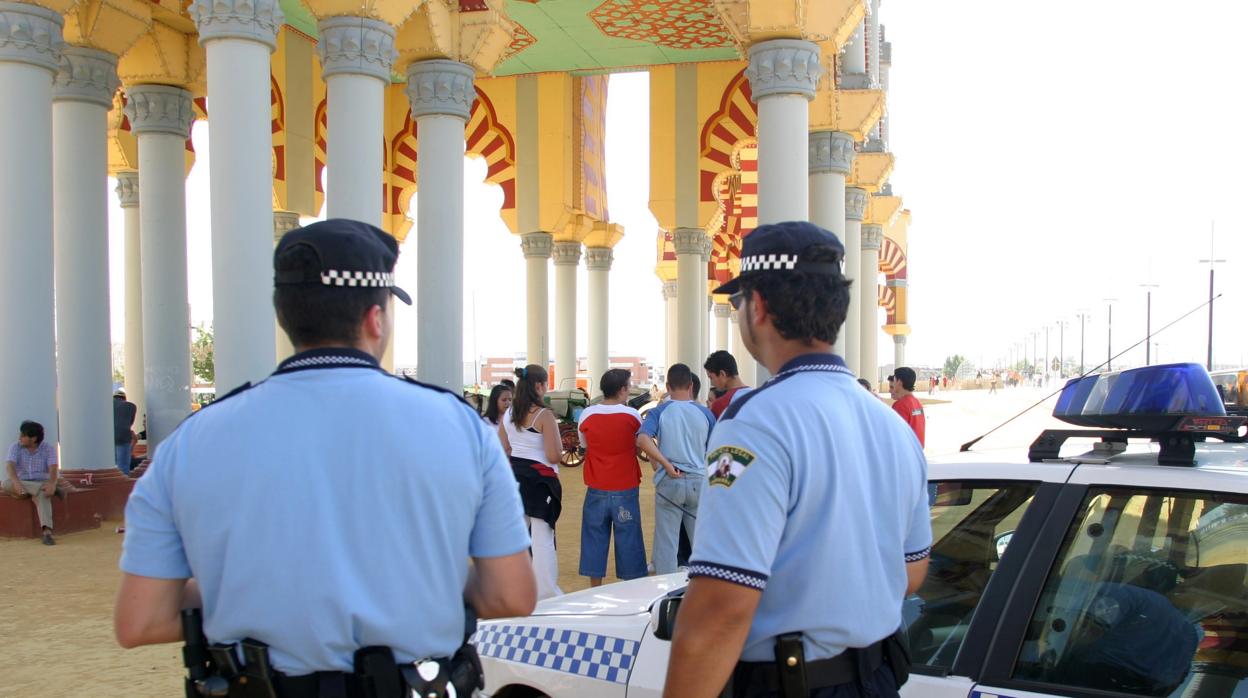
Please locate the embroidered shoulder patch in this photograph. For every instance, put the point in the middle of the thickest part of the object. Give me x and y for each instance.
(726, 463)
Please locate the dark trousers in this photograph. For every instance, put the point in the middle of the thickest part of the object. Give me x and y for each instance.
(879, 685)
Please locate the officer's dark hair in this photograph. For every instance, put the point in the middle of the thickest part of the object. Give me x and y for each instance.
(491, 409)
(318, 315)
(31, 430)
(527, 380)
(614, 380)
(804, 306)
(679, 377)
(721, 362)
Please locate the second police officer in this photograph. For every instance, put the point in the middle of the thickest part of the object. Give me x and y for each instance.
(814, 525)
(309, 513)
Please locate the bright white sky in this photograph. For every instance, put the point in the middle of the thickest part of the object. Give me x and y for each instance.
(1053, 156)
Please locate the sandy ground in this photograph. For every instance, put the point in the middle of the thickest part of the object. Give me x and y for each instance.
(56, 603)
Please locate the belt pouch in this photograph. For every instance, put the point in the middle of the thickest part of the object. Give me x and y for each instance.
(897, 652)
(378, 674)
(791, 666)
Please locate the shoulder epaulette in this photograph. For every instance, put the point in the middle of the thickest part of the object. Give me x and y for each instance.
(737, 404)
(236, 391)
(437, 389)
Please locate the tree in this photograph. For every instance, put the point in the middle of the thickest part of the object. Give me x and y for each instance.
(202, 364)
(952, 364)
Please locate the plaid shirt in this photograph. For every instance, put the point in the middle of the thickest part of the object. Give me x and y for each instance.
(33, 466)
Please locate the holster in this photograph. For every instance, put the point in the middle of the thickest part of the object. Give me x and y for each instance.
(897, 654)
(791, 666)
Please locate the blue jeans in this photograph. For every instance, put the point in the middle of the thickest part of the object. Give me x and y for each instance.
(603, 511)
(122, 454)
(675, 504)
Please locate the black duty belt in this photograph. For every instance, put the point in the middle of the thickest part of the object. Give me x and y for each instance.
(852, 665)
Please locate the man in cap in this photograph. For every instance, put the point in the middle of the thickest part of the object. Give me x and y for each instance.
(310, 512)
(815, 521)
(124, 413)
(905, 404)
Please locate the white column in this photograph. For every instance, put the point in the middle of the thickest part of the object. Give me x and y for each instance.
(831, 160)
(128, 194)
(82, 94)
(441, 95)
(708, 303)
(886, 62)
(598, 261)
(160, 117)
(671, 332)
(871, 33)
(30, 46)
(238, 36)
(746, 365)
(567, 258)
(283, 222)
(854, 56)
(723, 317)
(855, 209)
(537, 248)
(691, 296)
(783, 74)
(356, 56)
(868, 281)
(899, 350)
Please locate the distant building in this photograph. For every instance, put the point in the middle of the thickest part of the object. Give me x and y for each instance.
(495, 368)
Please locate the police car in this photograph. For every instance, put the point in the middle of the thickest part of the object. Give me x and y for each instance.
(1111, 561)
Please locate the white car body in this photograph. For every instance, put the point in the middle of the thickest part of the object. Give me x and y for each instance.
(601, 642)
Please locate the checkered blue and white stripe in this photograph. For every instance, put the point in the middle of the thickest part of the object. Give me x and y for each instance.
(769, 262)
(378, 279)
(568, 651)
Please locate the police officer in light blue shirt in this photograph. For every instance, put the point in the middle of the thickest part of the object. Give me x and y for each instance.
(814, 525)
(332, 507)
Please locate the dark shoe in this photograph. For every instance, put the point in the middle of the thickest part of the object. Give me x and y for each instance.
(62, 492)
(48, 539)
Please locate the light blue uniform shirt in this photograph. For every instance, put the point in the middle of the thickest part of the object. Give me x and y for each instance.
(817, 497)
(328, 508)
(682, 428)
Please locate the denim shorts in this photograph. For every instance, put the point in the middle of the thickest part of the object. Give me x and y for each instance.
(606, 510)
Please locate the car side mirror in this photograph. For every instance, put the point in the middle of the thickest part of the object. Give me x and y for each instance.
(1001, 543)
(665, 617)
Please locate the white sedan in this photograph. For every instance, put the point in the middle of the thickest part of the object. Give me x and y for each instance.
(1104, 574)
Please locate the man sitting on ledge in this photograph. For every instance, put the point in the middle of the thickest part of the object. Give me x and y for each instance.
(31, 471)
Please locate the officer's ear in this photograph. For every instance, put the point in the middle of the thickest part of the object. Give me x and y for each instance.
(373, 326)
(758, 312)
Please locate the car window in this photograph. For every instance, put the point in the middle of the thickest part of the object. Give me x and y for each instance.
(971, 522)
(1147, 597)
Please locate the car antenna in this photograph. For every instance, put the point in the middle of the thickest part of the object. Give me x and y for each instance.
(967, 446)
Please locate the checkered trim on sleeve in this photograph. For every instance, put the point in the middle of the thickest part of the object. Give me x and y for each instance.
(736, 575)
(376, 279)
(918, 555)
(769, 262)
(574, 652)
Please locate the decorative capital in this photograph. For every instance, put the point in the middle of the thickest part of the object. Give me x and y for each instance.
(252, 20)
(159, 109)
(831, 152)
(855, 203)
(356, 46)
(784, 67)
(567, 253)
(723, 310)
(537, 245)
(899, 340)
(440, 86)
(689, 240)
(128, 188)
(896, 283)
(670, 290)
(86, 75)
(872, 236)
(284, 222)
(599, 258)
(30, 34)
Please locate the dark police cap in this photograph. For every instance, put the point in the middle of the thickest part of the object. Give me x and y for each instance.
(778, 247)
(350, 254)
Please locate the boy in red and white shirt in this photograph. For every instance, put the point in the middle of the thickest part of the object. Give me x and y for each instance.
(901, 387)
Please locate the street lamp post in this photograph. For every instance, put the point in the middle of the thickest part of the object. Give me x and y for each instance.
(1061, 349)
(1109, 349)
(1211, 261)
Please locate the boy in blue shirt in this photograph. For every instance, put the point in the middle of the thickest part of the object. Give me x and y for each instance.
(682, 427)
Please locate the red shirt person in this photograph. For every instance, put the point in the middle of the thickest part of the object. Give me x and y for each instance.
(901, 388)
(721, 369)
(608, 432)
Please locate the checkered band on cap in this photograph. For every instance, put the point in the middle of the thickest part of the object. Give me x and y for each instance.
(769, 262)
(376, 279)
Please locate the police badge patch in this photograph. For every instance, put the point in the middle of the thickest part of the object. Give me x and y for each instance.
(726, 463)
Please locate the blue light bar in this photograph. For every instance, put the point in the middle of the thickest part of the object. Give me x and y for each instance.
(1153, 398)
